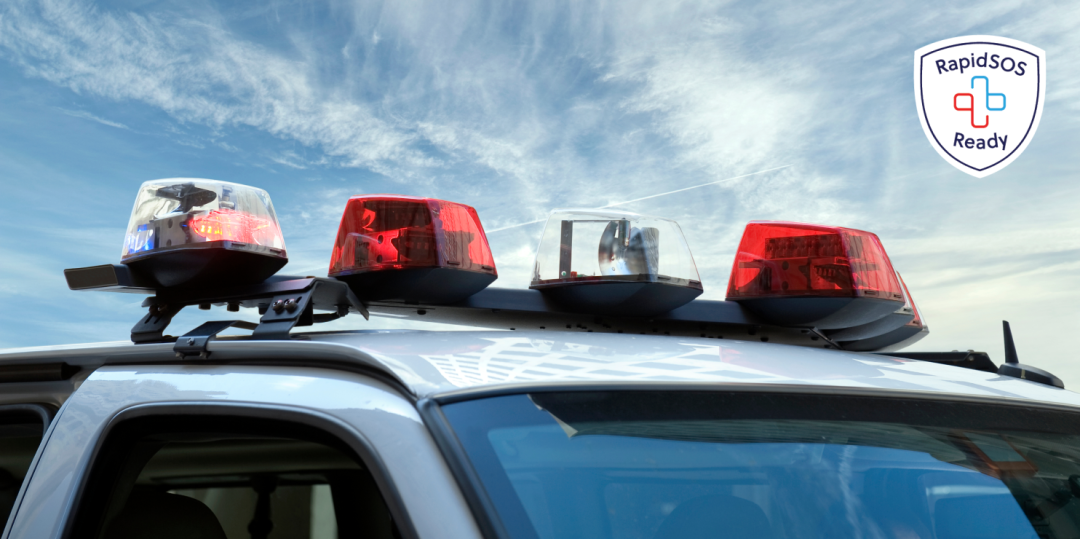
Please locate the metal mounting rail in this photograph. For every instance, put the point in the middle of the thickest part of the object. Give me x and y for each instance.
(522, 309)
(284, 302)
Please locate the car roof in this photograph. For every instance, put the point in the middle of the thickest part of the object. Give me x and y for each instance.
(451, 364)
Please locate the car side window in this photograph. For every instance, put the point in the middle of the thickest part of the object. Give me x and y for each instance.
(228, 478)
(21, 430)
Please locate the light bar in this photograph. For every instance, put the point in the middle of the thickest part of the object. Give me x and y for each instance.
(613, 262)
(412, 249)
(815, 276)
(186, 231)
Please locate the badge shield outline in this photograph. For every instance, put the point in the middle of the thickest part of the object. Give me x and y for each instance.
(1036, 115)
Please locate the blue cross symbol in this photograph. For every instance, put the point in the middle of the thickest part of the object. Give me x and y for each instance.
(971, 106)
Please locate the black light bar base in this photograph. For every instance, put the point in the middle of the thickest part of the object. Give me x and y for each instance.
(285, 302)
(822, 313)
(970, 359)
(499, 308)
(896, 339)
(621, 298)
(418, 285)
(523, 309)
(207, 268)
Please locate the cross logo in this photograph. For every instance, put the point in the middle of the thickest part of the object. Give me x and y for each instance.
(970, 107)
(980, 99)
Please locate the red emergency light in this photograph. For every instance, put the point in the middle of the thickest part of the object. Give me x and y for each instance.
(411, 249)
(816, 276)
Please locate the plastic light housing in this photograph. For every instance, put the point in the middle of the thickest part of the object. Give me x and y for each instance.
(412, 249)
(917, 319)
(895, 320)
(812, 275)
(189, 231)
(615, 262)
(908, 327)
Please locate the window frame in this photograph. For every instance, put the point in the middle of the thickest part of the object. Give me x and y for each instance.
(47, 414)
(346, 437)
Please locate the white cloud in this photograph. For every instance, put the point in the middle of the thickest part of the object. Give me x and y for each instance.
(519, 108)
(198, 72)
(87, 116)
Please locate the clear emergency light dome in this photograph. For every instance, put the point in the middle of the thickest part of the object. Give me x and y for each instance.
(179, 225)
(583, 253)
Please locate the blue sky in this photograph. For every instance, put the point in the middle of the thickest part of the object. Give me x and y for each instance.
(519, 107)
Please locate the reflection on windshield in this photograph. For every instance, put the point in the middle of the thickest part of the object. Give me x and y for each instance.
(555, 467)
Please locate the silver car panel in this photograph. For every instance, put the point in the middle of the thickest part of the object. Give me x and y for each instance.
(431, 363)
(459, 360)
(376, 412)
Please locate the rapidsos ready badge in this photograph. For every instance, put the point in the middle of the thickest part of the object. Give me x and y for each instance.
(980, 99)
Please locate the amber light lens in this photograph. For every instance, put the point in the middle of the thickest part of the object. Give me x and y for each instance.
(387, 232)
(780, 259)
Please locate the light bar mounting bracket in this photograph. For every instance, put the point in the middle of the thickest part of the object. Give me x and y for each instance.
(285, 302)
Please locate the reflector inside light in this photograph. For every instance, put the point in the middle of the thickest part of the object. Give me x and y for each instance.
(612, 246)
(780, 259)
(614, 262)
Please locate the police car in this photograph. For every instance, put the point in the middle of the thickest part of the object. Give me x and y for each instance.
(605, 401)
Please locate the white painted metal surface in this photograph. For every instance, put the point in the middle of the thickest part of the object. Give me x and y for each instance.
(432, 363)
(376, 412)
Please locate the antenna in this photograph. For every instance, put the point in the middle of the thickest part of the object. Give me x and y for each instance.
(1012, 366)
(1010, 346)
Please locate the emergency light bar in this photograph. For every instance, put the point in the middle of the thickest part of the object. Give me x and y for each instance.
(204, 242)
(825, 277)
(395, 247)
(614, 262)
(186, 231)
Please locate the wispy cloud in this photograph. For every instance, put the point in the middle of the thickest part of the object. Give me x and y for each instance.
(87, 116)
(197, 72)
(518, 108)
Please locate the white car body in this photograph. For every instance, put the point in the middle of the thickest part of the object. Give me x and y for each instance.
(369, 388)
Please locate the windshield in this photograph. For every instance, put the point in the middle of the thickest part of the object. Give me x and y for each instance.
(656, 465)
